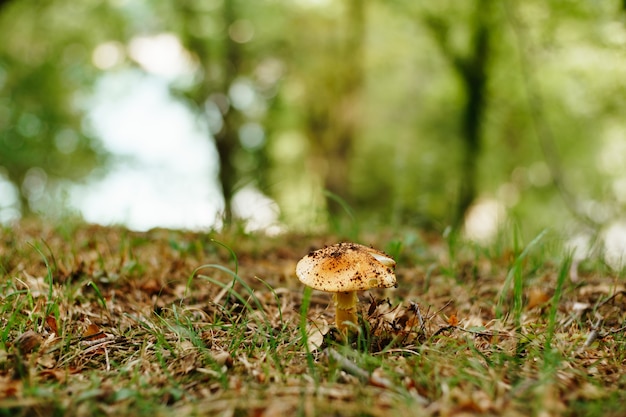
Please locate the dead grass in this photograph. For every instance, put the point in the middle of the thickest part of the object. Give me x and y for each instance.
(128, 328)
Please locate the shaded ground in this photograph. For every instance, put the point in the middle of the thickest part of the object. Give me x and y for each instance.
(129, 326)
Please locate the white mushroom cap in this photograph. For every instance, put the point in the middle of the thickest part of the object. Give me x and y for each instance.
(346, 267)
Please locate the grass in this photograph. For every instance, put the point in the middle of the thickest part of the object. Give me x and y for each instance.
(102, 321)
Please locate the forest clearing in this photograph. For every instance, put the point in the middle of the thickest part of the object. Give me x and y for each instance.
(103, 321)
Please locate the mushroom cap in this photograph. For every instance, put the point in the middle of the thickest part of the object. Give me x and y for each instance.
(346, 267)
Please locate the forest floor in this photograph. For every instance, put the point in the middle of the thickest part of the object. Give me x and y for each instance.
(102, 321)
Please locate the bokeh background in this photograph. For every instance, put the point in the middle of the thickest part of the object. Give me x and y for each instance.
(292, 114)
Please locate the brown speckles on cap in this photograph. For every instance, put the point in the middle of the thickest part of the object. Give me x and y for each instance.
(346, 267)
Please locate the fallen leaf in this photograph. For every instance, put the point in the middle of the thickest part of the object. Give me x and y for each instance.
(10, 387)
(588, 391)
(222, 358)
(28, 341)
(93, 332)
(315, 335)
(51, 321)
(536, 297)
(151, 286)
(58, 375)
(47, 360)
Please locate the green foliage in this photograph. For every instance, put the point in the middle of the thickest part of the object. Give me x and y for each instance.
(45, 74)
(374, 102)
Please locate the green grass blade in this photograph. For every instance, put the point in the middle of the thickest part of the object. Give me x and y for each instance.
(231, 290)
(556, 298)
(99, 296)
(354, 232)
(304, 309)
(235, 260)
(49, 278)
(515, 275)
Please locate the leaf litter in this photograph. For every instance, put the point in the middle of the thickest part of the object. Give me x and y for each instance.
(127, 325)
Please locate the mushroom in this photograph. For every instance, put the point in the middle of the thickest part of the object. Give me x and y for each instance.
(344, 269)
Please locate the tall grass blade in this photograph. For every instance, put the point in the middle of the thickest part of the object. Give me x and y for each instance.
(99, 295)
(354, 232)
(304, 309)
(235, 260)
(49, 278)
(515, 275)
(231, 290)
(556, 298)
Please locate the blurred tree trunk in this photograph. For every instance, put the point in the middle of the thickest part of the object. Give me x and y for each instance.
(333, 117)
(473, 73)
(472, 69)
(221, 63)
(226, 140)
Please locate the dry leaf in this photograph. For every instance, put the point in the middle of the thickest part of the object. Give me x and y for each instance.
(536, 297)
(10, 387)
(28, 341)
(315, 335)
(58, 375)
(222, 358)
(51, 321)
(151, 286)
(93, 332)
(607, 288)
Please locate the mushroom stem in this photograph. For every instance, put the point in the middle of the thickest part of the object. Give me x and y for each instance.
(345, 306)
